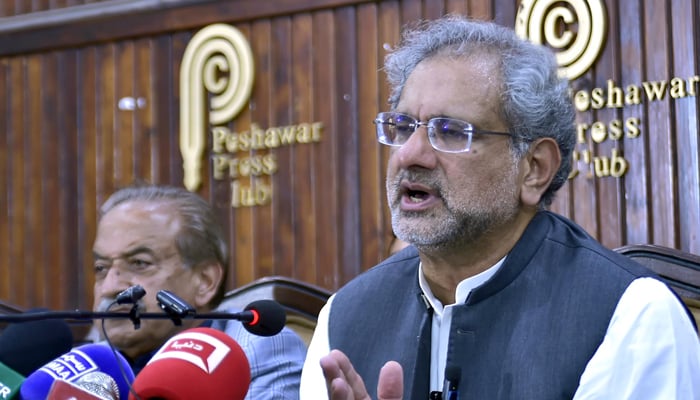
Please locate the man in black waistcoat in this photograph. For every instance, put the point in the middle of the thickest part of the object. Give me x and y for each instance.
(496, 298)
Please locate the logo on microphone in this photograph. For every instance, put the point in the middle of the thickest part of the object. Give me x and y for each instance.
(70, 366)
(204, 351)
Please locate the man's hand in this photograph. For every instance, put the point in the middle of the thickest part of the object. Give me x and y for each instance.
(344, 383)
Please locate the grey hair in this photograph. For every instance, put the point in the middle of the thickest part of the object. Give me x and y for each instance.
(201, 237)
(535, 102)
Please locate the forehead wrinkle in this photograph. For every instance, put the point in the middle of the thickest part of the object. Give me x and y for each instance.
(151, 223)
(481, 74)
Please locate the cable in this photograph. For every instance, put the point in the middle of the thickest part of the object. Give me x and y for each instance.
(114, 351)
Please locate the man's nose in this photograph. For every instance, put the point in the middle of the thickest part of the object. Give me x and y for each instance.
(115, 281)
(417, 150)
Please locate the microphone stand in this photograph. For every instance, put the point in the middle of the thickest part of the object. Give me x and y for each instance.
(134, 315)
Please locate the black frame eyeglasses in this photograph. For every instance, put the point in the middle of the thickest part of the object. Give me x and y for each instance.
(448, 135)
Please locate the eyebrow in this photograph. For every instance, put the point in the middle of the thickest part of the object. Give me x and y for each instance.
(128, 253)
(431, 116)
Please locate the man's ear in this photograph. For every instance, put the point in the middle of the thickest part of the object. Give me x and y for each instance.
(541, 164)
(208, 277)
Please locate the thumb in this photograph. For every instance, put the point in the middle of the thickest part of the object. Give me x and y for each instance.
(390, 386)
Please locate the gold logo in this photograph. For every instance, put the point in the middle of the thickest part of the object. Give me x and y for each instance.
(550, 22)
(218, 61)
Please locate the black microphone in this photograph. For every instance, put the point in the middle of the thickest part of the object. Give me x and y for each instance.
(131, 295)
(450, 388)
(266, 318)
(173, 305)
(261, 317)
(27, 346)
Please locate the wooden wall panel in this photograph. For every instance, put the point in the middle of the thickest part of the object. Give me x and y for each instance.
(371, 164)
(345, 99)
(661, 143)
(281, 98)
(85, 195)
(608, 202)
(94, 105)
(5, 108)
(255, 228)
(303, 163)
(685, 119)
(636, 182)
(325, 197)
(645, 202)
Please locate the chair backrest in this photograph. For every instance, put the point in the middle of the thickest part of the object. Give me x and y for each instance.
(679, 269)
(302, 301)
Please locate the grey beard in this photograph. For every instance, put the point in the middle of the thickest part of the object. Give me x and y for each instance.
(455, 229)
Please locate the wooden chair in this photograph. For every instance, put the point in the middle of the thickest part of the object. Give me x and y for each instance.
(679, 269)
(301, 300)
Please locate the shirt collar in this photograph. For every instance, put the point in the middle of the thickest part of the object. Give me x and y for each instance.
(463, 288)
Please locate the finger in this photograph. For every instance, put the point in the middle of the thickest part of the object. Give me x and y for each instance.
(390, 386)
(336, 385)
(339, 390)
(331, 372)
(340, 374)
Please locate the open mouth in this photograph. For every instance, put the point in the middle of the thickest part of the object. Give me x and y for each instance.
(416, 196)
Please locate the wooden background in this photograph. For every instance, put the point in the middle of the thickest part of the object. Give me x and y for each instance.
(65, 143)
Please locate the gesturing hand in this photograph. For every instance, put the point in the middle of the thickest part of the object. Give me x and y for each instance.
(344, 383)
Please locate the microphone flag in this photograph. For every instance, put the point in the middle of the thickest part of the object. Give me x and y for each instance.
(76, 364)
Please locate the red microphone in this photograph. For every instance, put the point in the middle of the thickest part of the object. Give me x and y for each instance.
(199, 363)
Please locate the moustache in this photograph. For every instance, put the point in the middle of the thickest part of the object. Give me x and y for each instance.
(425, 178)
(108, 302)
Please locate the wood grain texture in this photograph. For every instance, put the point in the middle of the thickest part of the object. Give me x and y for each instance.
(69, 137)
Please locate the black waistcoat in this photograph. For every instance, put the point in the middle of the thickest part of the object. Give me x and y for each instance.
(527, 333)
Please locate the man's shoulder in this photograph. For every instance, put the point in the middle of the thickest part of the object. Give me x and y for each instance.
(576, 246)
(401, 267)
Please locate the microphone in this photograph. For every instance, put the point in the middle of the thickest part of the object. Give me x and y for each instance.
(99, 383)
(63, 390)
(198, 363)
(131, 295)
(26, 346)
(174, 305)
(10, 382)
(450, 388)
(261, 317)
(267, 318)
(74, 366)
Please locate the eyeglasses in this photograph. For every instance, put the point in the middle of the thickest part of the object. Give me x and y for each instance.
(445, 134)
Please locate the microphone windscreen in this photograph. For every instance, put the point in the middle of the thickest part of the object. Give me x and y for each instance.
(10, 382)
(198, 363)
(270, 320)
(26, 346)
(99, 383)
(62, 390)
(74, 365)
